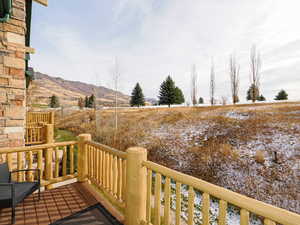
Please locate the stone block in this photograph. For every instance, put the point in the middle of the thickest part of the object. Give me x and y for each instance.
(11, 130)
(14, 123)
(20, 55)
(20, 73)
(18, 13)
(13, 62)
(4, 81)
(12, 28)
(17, 135)
(15, 38)
(17, 83)
(14, 112)
(3, 97)
(1, 69)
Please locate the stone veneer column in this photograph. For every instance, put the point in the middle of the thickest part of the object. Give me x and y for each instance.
(12, 77)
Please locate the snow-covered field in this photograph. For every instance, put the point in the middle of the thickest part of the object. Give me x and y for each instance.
(253, 149)
(275, 179)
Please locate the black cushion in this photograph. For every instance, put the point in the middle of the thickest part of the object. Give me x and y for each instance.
(22, 190)
(4, 173)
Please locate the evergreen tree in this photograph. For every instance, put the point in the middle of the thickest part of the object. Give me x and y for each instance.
(282, 95)
(261, 98)
(253, 93)
(91, 101)
(86, 102)
(54, 102)
(167, 94)
(201, 100)
(137, 96)
(179, 97)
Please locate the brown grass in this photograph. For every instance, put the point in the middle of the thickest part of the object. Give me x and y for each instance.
(213, 152)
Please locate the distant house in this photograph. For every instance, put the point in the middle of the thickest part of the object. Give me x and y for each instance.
(15, 22)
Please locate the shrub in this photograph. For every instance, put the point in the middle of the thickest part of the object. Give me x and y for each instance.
(260, 157)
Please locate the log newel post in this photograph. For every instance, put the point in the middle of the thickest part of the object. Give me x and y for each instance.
(136, 186)
(49, 153)
(82, 168)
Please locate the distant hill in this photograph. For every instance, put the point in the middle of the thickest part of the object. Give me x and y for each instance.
(68, 92)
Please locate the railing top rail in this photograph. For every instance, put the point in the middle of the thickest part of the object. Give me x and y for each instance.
(36, 147)
(257, 207)
(108, 149)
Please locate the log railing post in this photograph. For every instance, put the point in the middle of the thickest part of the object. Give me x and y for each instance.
(49, 133)
(136, 178)
(82, 157)
(49, 153)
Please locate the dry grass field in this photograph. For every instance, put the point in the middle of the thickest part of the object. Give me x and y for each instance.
(250, 149)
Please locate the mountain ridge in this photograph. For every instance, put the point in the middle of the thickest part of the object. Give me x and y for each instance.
(69, 92)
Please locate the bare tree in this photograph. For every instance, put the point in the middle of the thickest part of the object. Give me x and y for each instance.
(194, 85)
(116, 74)
(255, 66)
(212, 84)
(234, 71)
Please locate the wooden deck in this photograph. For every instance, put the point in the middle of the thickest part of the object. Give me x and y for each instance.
(53, 205)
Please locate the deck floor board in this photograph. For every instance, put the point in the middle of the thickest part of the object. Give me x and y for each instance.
(54, 204)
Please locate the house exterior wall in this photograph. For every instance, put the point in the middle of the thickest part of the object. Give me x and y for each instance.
(12, 77)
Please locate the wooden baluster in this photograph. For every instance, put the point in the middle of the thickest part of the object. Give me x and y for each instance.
(191, 205)
(104, 170)
(64, 170)
(149, 195)
(115, 176)
(95, 165)
(98, 166)
(269, 222)
(40, 162)
(244, 217)
(205, 208)
(30, 161)
(72, 170)
(38, 134)
(167, 201)
(31, 135)
(9, 159)
(26, 135)
(111, 173)
(222, 212)
(157, 204)
(119, 192)
(123, 179)
(178, 202)
(20, 166)
(88, 161)
(108, 171)
(56, 169)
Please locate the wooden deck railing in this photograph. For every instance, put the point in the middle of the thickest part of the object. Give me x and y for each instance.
(106, 171)
(51, 159)
(38, 127)
(39, 118)
(174, 183)
(146, 192)
(35, 135)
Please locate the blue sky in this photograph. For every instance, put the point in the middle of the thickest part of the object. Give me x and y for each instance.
(80, 40)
